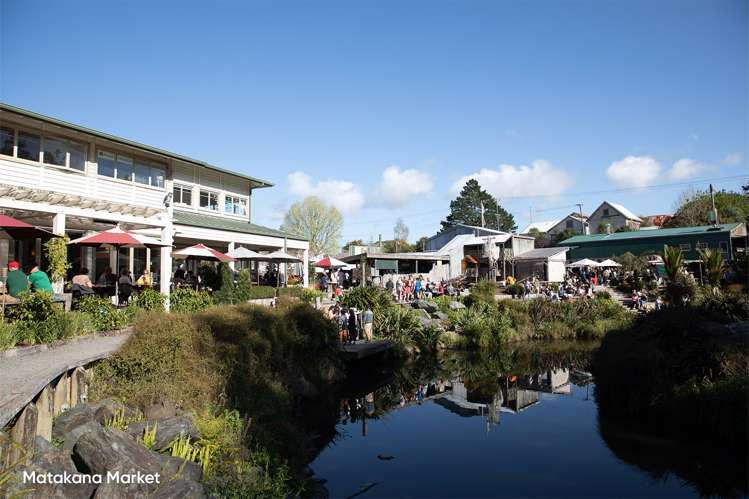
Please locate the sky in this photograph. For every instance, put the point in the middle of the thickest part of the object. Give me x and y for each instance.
(384, 108)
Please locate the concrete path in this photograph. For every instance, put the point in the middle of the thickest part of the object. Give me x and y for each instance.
(24, 372)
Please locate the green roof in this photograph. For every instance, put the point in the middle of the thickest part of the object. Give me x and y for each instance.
(213, 222)
(649, 234)
(131, 143)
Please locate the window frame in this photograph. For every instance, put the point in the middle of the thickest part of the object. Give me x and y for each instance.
(236, 200)
(43, 138)
(208, 208)
(182, 188)
(133, 159)
(701, 245)
(723, 247)
(685, 246)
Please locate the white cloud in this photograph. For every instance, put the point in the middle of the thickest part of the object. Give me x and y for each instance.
(541, 178)
(634, 171)
(342, 194)
(733, 159)
(398, 186)
(684, 168)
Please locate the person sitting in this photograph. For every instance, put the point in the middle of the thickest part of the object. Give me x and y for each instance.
(145, 279)
(17, 281)
(39, 280)
(107, 278)
(82, 285)
(125, 287)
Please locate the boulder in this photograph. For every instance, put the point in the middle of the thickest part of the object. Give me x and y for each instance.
(71, 438)
(109, 449)
(425, 321)
(167, 489)
(456, 305)
(176, 468)
(16, 487)
(72, 419)
(440, 315)
(425, 305)
(422, 314)
(178, 489)
(106, 409)
(49, 457)
(167, 430)
(160, 410)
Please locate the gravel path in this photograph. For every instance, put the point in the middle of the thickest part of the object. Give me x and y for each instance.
(24, 372)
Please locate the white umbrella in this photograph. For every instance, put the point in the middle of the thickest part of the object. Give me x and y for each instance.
(609, 263)
(281, 256)
(585, 262)
(242, 253)
(202, 252)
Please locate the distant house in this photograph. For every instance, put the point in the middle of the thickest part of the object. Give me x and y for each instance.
(572, 222)
(611, 217)
(545, 263)
(726, 238)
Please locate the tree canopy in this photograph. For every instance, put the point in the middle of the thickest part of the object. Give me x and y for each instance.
(315, 221)
(694, 208)
(466, 209)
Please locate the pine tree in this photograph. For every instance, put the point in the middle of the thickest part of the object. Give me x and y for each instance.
(466, 209)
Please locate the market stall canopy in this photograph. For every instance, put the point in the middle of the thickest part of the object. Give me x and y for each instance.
(17, 229)
(330, 263)
(119, 237)
(242, 253)
(609, 263)
(585, 262)
(281, 256)
(202, 252)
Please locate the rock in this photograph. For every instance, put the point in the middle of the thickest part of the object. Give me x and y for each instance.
(42, 445)
(422, 314)
(161, 410)
(456, 305)
(17, 488)
(109, 449)
(436, 323)
(425, 305)
(71, 419)
(178, 489)
(440, 315)
(166, 430)
(124, 491)
(425, 321)
(174, 467)
(51, 458)
(106, 409)
(71, 438)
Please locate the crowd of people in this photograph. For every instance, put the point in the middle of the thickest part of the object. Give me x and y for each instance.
(409, 288)
(30, 279)
(352, 324)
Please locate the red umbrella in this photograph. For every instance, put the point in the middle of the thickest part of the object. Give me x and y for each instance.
(202, 252)
(17, 229)
(329, 262)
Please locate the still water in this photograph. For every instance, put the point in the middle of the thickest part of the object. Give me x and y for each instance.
(520, 423)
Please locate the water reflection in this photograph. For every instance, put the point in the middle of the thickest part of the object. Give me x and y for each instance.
(521, 422)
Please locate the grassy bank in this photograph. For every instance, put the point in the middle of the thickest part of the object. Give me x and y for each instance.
(680, 370)
(240, 370)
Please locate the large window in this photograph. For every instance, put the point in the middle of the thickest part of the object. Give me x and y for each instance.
(235, 205)
(135, 170)
(7, 140)
(182, 194)
(28, 146)
(209, 200)
(55, 151)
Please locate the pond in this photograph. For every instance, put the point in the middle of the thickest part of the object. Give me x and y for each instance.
(517, 423)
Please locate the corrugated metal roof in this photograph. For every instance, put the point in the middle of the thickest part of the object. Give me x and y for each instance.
(542, 227)
(193, 219)
(128, 142)
(647, 234)
(540, 253)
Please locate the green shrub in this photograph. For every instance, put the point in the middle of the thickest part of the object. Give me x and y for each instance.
(104, 317)
(483, 292)
(149, 299)
(732, 306)
(443, 302)
(209, 275)
(398, 324)
(374, 298)
(261, 292)
(189, 300)
(226, 293)
(8, 335)
(38, 320)
(516, 289)
(242, 290)
(34, 307)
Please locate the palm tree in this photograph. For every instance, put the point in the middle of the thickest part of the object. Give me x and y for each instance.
(713, 264)
(673, 260)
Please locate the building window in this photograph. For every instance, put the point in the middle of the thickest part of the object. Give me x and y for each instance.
(76, 156)
(700, 245)
(234, 205)
(182, 194)
(209, 200)
(605, 212)
(685, 247)
(55, 151)
(28, 146)
(7, 139)
(568, 224)
(723, 246)
(125, 168)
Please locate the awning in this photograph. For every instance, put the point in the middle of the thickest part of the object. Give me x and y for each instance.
(470, 259)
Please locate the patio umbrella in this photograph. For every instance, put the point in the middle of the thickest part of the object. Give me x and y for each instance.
(242, 253)
(202, 252)
(330, 263)
(585, 262)
(16, 229)
(281, 256)
(609, 263)
(118, 238)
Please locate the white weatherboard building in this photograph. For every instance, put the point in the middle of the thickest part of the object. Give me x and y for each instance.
(74, 180)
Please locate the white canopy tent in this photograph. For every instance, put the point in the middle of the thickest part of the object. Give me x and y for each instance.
(585, 262)
(609, 263)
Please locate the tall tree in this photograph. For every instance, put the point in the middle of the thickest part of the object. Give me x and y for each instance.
(693, 208)
(400, 233)
(316, 222)
(466, 209)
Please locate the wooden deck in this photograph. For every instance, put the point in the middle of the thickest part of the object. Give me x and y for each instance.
(363, 349)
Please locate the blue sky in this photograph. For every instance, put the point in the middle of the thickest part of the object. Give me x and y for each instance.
(384, 107)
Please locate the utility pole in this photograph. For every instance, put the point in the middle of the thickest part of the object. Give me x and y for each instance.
(582, 219)
(714, 213)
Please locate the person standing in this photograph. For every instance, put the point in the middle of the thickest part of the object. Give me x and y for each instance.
(343, 325)
(324, 283)
(352, 329)
(367, 320)
(17, 282)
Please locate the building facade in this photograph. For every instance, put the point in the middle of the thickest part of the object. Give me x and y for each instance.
(610, 217)
(75, 180)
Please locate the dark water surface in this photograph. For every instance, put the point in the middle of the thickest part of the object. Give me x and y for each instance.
(521, 423)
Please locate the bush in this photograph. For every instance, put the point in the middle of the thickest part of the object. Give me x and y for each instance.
(226, 293)
(261, 292)
(516, 290)
(103, 315)
(731, 306)
(374, 298)
(398, 324)
(189, 300)
(482, 292)
(34, 307)
(242, 290)
(150, 300)
(38, 320)
(8, 335)
(306, 295)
